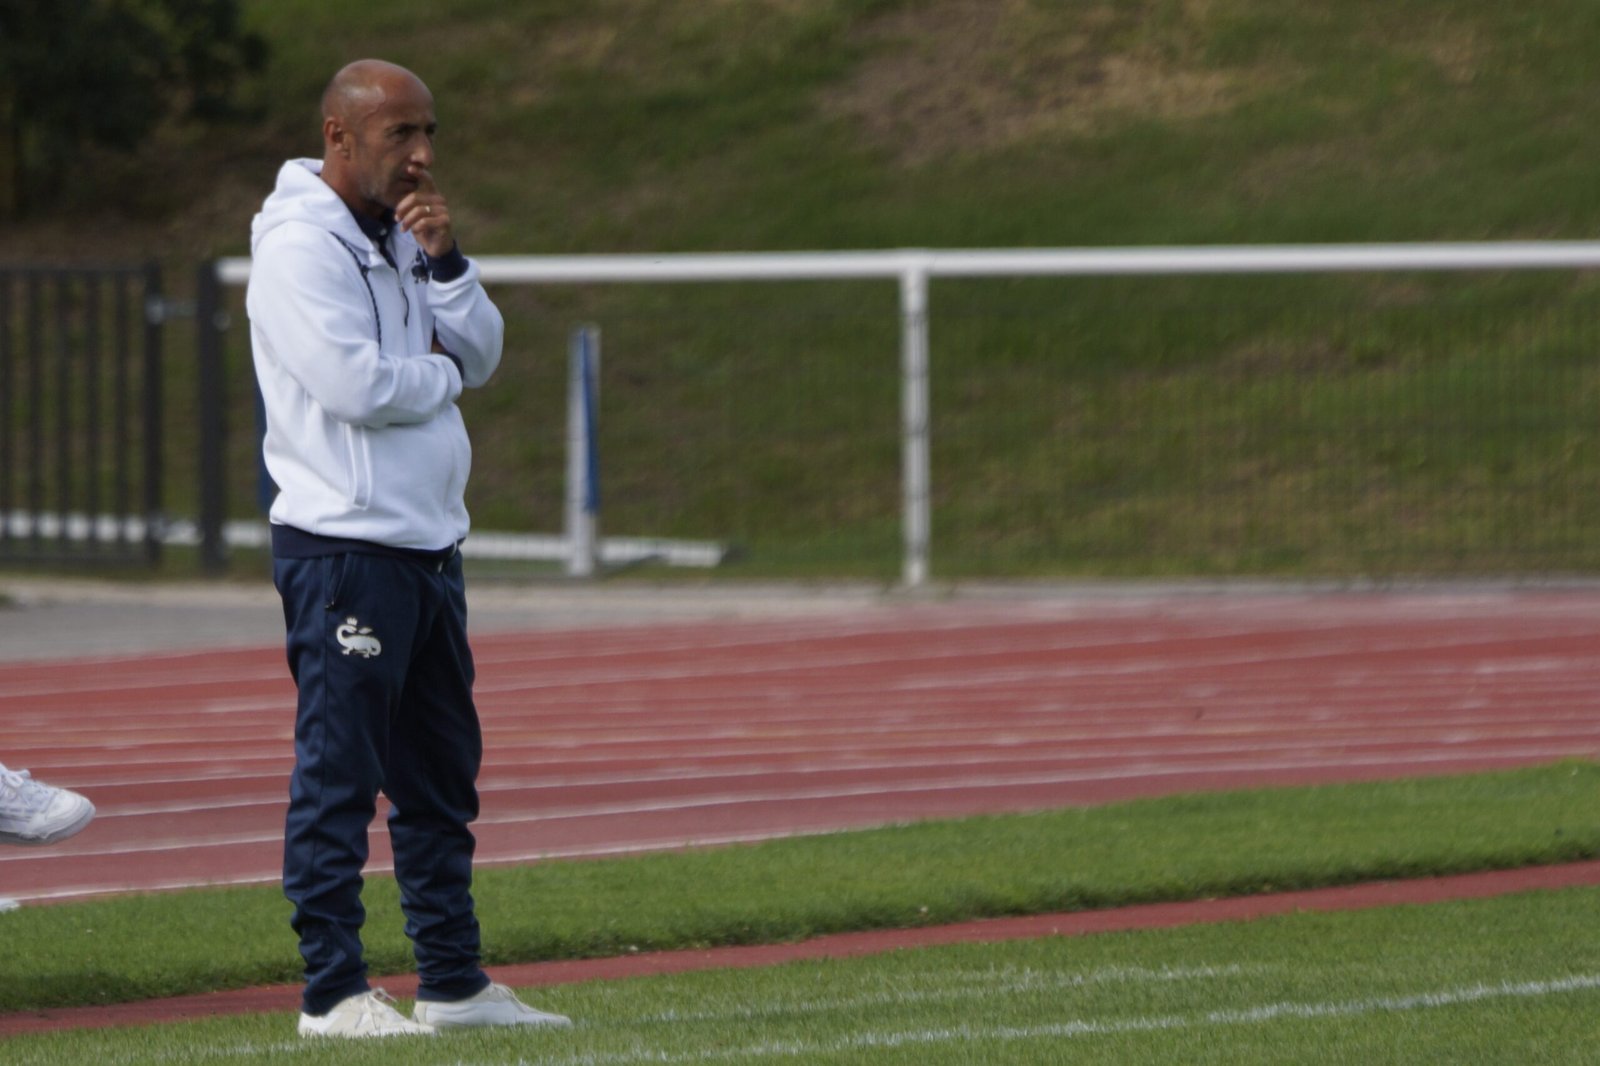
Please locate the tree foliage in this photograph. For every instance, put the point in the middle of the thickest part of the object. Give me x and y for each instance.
(106, 73)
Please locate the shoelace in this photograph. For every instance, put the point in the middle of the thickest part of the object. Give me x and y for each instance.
(26, 792)
(374, 1006)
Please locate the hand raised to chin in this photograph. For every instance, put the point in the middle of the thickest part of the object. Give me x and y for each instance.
(425, 215)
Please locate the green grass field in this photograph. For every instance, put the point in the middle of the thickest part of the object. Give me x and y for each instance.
(1509, 980)
(1320, 975)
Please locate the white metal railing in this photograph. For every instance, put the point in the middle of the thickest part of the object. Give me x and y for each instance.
(914, 268)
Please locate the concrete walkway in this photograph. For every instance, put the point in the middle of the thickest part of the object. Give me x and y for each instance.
(54, 618)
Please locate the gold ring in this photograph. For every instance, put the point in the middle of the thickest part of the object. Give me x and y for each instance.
(428, 208)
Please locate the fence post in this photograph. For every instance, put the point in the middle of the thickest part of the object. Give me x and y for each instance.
(155, 315)
(210, 321)
(583, 451)
(914, 420)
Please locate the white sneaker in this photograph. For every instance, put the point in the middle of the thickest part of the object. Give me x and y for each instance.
(32, 812)
(363, 1015)
(495, 1005)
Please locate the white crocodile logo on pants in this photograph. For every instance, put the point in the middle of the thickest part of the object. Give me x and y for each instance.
(358, 639)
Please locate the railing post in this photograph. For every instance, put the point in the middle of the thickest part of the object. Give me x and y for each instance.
(210, 321)
(7, 388)
(914, 420)
(154, 320)
(583, 458)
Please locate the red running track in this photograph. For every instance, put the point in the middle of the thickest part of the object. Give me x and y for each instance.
(649, 737)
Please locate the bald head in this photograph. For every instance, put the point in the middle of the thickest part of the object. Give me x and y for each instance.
(360, 88)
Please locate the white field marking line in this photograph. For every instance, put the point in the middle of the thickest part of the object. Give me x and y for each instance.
(1077, 1028)
(791, 796)
(1027, 980)
(287, 1048)
(993, 984)
(1091, 1027)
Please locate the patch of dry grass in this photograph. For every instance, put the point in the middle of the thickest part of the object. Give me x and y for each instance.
(969, 76)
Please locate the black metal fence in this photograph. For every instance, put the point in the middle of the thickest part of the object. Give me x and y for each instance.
(80, 414)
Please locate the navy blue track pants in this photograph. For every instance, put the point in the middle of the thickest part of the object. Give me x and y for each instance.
(378, 649)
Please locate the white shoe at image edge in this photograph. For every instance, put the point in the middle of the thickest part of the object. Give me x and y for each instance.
(366, 1014)
(33, 813)
(495, 1005)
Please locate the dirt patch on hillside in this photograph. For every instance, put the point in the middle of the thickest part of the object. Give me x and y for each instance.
(959, 76)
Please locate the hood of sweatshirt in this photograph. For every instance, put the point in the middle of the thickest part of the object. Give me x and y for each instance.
(302, 196)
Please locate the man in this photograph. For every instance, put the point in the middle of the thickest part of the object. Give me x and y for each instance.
(366, 322)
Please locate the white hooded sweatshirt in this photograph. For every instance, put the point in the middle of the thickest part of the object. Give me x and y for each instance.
(364, 439)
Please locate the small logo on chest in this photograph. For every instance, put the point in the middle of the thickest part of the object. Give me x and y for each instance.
(357, 639)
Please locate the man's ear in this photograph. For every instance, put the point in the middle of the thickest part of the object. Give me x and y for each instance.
(336, 136)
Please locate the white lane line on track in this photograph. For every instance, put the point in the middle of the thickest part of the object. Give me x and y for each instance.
(1050, 706)
(560, 762)
(864, 713)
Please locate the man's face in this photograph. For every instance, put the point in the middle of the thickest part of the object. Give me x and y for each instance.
(392, 144)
